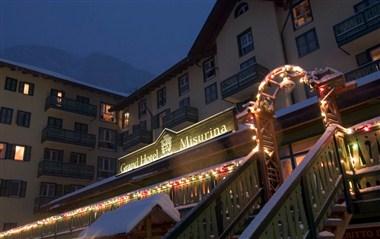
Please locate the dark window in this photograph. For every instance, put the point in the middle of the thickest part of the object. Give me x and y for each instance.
(301, 14)
(12, 188)
(48, 190)
(106, 167)
(211, 93)
(77, 158)
(6, 115)
(161, 97)
(26, 88)
(107, 138)
(184, 102)
(362, 5)
(71, 188)
(82, 128)
(158, 119)
(10, 84)
(245, 42)
(209, 70)
(241, 8)
(9, 225)
(53, 155)
(55, 122)
(183, 84)
(83, 99)
(142, 107)
(307, 43)
(23, 118)
(3, 150)
(246, 64)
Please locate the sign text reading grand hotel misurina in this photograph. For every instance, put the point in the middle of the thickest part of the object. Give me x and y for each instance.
(170, 142)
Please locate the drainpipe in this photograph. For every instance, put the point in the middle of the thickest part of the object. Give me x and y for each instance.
(282, 34)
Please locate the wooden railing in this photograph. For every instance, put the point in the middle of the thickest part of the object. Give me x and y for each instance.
(70, 105)
(228, 209)
(301, 205)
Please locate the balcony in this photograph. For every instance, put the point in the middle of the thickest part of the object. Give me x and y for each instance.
(68, 136)
(359, 31)
(140, 137)
(181, 118)
(242, 85)
(362, 71)
(40, 201)
(71, 106)
(67, 170)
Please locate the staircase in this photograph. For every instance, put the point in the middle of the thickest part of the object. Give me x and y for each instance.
(337, 179)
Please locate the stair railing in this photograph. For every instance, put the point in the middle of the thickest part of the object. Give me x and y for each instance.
(301, 205)
(227, 209)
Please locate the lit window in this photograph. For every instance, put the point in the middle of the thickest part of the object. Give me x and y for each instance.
(245, 42)
(3, 148)
(301, 13)
(307, 43)
(209, 69)
(26, 88)
(106, 114)
(19, 153)
(286, 165)
(241, 8)
(375, 54)
(58, 94)
(125, 120)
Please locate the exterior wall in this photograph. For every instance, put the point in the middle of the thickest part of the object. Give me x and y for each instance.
(20, 210)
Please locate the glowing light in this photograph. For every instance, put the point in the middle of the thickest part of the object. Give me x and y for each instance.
(367, 128)
(349, 131)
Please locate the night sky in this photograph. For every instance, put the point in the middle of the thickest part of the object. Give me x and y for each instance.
(149, 34)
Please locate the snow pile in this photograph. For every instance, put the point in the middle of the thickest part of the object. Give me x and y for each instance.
(127, 217)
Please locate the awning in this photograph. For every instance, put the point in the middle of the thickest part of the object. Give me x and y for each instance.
(125, 219)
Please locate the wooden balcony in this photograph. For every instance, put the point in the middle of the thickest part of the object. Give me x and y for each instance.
(70, 105)
(68, 137)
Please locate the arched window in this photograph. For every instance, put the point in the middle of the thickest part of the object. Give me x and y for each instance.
(241, 8)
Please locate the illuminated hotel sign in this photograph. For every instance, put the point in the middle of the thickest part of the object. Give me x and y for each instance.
(170, 142)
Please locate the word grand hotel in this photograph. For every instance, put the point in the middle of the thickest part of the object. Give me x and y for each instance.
(269, 127)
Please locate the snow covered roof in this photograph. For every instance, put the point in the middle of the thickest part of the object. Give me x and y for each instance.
(126, 218)
(60, 77)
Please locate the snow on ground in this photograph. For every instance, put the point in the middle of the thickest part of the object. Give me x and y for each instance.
(126, 218)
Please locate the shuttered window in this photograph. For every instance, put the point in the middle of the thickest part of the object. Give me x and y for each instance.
(12, 188)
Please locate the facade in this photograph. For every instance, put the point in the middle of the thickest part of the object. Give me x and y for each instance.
(56, 136)
(239, 44)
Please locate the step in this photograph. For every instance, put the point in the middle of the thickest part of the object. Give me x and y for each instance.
(326, 235)
(333, 222)
(339, 208)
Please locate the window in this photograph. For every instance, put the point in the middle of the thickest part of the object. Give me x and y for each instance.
(209, 69)
(211, 93)
(125, 120)
(184, 102)
(307, 43)
(71, 188)
(81, 128)
(15, 152)
(83, 99)
(19, 152)
(53, 155)
(55, 123)
(374, 53)
(9, 225)
(77, 158)
(161, 97)
(106, 167)
(3, 148)
(245, 42)
(158, 119)
(106, 114)
(301, 14)
(107, 138)
(183, 84)
(48, 189)
(362, 5)
(26, 88)
(23, 118)
(246, 64)
(10, 84)
(142, 107)
(12, 188)
(6, 115)
(240, 9)
(59, 94)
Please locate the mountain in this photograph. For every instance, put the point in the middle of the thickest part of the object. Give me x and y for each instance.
(97, 68)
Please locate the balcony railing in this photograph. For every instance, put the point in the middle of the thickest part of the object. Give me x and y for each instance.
(358, 25)
(68, 136)
(243, 79)
(139, 136)
(70, 105)
(40, 201)
(184, 114)
(61, 169)
(363, 71)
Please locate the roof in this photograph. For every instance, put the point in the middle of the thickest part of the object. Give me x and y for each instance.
(51, 74)
(124, 219)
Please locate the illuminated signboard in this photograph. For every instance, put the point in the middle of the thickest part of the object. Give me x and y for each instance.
(170, 142)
